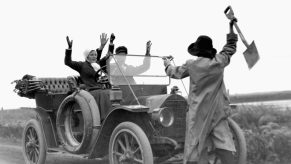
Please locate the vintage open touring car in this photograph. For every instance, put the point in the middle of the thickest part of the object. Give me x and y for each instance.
(143, 124)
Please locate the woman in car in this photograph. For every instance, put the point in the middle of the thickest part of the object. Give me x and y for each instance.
(89, 70)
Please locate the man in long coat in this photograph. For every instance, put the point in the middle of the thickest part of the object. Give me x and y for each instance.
(206, 126)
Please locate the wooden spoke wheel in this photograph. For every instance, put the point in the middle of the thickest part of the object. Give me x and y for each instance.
(240, 144)
(33, 143)
(129, 145)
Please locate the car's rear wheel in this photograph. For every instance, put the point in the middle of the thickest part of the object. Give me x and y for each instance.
(33, 143)
(129, 145)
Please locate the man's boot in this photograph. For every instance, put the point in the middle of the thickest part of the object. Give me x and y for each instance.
(225, 156)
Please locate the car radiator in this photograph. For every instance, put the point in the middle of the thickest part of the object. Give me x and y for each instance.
(179, 107)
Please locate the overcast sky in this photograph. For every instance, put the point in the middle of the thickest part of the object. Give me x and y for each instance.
(32, 37)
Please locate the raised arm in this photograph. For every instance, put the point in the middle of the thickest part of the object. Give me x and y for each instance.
(111, 44)
(103, 41)
(230, 47)
(103, 60)
(177, 72)
(148, 48)
(146, 62)
(68, 56)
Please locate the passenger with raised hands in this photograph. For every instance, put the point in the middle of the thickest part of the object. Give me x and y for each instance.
(89, 73)
(119, 67)
(89, 68)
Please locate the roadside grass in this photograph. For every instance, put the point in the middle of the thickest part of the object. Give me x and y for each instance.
(267, 131)
(12, 123)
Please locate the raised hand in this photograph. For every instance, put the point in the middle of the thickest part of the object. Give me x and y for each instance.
(112, 37)
(168, 57)
(231, 23)
(148, 48)
(167, 61)
(70, 42)
(103, 40)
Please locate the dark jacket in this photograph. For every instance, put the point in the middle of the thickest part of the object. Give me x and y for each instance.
(87, 73)
(103, 61)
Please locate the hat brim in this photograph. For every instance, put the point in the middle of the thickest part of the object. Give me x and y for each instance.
(195, 51)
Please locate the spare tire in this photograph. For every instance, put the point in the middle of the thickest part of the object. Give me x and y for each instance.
(77, 116)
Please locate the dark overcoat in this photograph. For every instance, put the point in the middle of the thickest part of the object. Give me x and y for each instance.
(208, 101)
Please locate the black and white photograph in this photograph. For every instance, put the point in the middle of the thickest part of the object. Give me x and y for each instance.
(145, 82)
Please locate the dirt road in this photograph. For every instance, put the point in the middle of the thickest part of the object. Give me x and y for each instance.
(11, 153)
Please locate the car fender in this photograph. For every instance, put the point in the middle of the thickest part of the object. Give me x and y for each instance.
(117, 115)
(47, 127)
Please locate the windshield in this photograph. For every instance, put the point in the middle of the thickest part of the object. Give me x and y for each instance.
(137, 69)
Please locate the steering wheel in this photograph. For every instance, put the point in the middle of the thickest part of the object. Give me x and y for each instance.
(103, 77)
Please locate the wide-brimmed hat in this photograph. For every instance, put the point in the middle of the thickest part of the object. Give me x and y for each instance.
(202, 47)
(121, 49)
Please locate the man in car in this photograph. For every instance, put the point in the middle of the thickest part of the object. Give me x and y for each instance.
(207, 128)
(118, 67)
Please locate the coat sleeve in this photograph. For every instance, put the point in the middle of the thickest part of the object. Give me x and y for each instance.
(111, 48)
(99, 53)
(223, 58)
(103, 61)
(136, 70)
(68, 61)
(178, 72)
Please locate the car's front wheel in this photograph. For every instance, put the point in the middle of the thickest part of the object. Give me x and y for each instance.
(129, 145)
(33, 143)
(240, 144)
(239, 141)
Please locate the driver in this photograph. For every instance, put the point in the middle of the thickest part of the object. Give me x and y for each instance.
(120, 64)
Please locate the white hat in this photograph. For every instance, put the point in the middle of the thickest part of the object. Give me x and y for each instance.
(86, 53)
